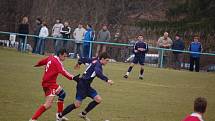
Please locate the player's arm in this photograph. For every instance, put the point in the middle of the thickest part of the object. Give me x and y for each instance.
(42, 62)
(100, 74)
(63, 71)
(147, 48)
(82, 61)
(135, 48)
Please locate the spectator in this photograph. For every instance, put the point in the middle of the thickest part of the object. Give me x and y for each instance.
(178, 44)
(164, 42)
(89, 36)
(195, 46)
(23, 29)
(65, 31)
(78, 34)
(36, 30)
(103, 36)
(56, 34)
(42, 37)
(200, 105)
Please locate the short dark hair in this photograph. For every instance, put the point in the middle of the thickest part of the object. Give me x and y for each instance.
(39, 19)
(200, 105)
(104, 55)
(178, 35)
(89, 25)
(140, 35)
(62, 51)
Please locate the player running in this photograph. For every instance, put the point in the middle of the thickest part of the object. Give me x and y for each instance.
(84, 88)
(51, 89)
(140, 49)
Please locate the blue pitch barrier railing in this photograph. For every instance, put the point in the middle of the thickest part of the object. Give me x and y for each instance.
(162, 50)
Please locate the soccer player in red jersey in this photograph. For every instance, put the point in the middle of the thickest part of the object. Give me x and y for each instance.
(53, 67)
(200, 105)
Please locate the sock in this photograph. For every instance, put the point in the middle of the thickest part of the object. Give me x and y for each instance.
(39, 112)
(141, 72)
(60, 106)
(90, 106)
(68, 109)
(129, 70)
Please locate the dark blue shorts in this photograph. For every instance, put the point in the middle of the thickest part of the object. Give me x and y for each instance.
(84, 90)
(139, 59)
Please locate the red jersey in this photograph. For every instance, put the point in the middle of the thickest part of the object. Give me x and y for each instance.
(194, 117)
(53, 67)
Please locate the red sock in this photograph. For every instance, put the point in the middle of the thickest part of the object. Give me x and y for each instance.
(39, 112)
(60, 106)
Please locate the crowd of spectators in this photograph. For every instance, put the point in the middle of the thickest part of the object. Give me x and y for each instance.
(83, 34)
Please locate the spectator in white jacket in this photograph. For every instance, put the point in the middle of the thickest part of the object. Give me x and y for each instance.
(57, 34)
(42, 37)
(78, 35)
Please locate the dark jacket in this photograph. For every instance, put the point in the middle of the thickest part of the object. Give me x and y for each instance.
(23, 29)
(177, 45)
(37, 29)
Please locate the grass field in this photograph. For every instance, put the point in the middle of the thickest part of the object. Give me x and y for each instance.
(163, 95)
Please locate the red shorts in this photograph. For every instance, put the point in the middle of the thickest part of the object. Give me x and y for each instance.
(52, 90)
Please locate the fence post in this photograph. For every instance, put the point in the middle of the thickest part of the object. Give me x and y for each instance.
(90, 52)
(161, 61)
(25, 42)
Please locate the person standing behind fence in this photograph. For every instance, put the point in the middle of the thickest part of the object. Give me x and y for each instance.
(140, 49)
(56, 34)
(164, 42)
(200, 105)
(195, 46)
(178, 44)
(103, 36)
(37, 32)
(23, 29)
(42, 38)
(88, 36)
(66, 31)
(78, 35)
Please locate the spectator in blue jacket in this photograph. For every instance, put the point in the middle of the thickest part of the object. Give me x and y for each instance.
(88, 36)
(195, 46)
(178, 44)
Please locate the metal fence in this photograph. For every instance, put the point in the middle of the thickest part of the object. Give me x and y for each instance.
(156, 57)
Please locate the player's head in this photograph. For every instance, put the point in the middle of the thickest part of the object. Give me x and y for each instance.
(200, 105)
(62, 54)
(104, 58)
(140, 37)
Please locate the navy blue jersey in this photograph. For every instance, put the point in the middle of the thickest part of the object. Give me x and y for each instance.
(93, 70)
(138, 45)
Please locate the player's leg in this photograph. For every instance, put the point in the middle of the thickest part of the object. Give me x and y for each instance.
(129, 70)
(96, 100)
(141, 62)
(71, 107)
(80, 95)
(60, 104)
(141, 72)
(135, 61)
(48, 103)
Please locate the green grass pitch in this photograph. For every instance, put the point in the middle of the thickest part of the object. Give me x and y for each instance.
(163, 95)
